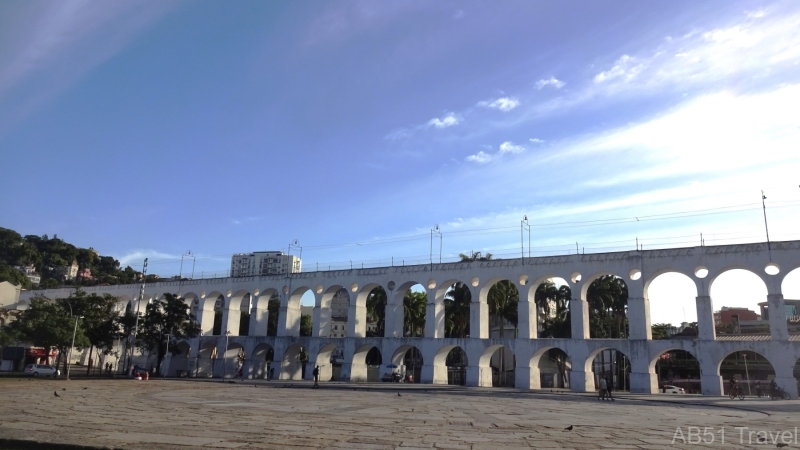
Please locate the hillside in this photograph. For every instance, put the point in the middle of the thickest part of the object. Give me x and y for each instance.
(49, 256)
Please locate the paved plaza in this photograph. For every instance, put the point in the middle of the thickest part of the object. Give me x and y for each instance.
(162, 414)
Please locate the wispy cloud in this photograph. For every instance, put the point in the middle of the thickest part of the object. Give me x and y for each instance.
(510, 147)
(625, 67)
(551, 82)
(481, 157)
(137, 257)
(536, 141)
(448, 120)
(504, 104)
(506, 148)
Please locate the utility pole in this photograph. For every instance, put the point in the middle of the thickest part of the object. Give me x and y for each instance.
(524, 225)
(138, 305)
(766, 228)
(435, 231)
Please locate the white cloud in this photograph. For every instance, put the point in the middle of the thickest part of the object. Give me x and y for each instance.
(552, 81)
(510, 147)
(504, 104)
(137, 257)
(506, 148)
(756, 14)
(399, 133)
(536, 141)
(625, 67)
(481, 157)
(448, 120)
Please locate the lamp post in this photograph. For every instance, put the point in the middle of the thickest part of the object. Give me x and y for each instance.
(436, 232)
(138, 304)
(224, 354)
(166, 355)
(524, 225)
(747, 374)
(74, 332)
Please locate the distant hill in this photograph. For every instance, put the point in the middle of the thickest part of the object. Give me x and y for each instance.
(49, 257)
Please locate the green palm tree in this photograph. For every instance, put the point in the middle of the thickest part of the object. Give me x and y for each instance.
(553, 307)
(414, 305)
(503, 299)
(376, 309)
(474, 256)
(608, 306)
(456, 310)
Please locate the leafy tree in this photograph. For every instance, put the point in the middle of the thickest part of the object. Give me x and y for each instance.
(414, 305)
(503, 299)
(14, 276)
(99, 318)
(306, 325)
(7, 336)
(46, 324)
(553, 305)
(376, 309)
(273, 309)
(125, 325)
(661, 330)
(608, 305)
(166, 316)
(474, 256)
(456, 311)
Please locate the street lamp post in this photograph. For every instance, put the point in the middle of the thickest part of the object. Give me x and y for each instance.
(224, 354)
(138, 305)
(747, 374)
(74, 332)
(524, 225)
(166, 355)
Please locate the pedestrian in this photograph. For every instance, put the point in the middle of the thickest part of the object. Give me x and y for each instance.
(758, 388)
(316, 376)
(603, 386)
(271, 373)
(608, 390)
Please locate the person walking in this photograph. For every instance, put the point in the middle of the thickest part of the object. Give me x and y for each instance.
(608, 390)
(603, 385)
(316, 376)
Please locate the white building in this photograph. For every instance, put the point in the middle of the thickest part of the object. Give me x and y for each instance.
(264, 263)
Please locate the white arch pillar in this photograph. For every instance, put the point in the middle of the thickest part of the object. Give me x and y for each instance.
(784, 376)
(393, 321)
(776, 309)
(579, 312)
(356, 320)
(705, 318)
(289, 319)
(259, 316)
(321, 326)
(527, 313)
(434, 316)
(639, 318)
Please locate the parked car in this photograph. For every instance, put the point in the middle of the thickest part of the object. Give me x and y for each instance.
(44, 370)
(669, 389)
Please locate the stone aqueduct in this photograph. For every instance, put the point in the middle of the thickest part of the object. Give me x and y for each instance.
(638, 268)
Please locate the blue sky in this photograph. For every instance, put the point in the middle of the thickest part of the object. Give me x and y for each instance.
(153, 128)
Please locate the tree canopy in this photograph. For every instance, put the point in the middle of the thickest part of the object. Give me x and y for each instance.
(46, 324)
(168, 315)
(376, 310)
(414, 306)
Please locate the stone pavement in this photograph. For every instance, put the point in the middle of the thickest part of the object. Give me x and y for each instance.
(166, 414)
